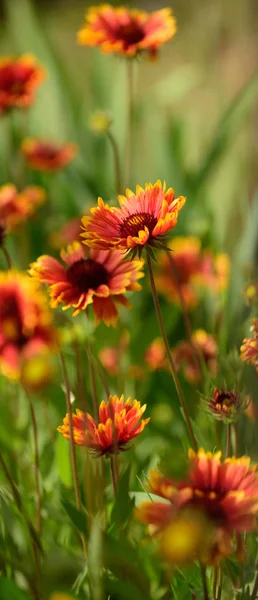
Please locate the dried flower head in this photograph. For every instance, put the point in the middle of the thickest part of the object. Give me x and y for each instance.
(19, 80)
(100, 278)
(227, 405)
(47, 156)
(125, 31)
(119, 423)
(141, 221)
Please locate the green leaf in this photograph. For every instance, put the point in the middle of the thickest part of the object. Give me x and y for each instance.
(78, 518)
(123, 505)
(8, 590)
(63, 461)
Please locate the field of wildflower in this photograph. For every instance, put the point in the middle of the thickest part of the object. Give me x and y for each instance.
(128, 301)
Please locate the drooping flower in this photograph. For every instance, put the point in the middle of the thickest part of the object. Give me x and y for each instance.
(226, 493)
(119, 423)
(19, 80)
(26, 325)
(185, 359)
(249, 348)
(101, 278)
(141, 221)
(187, 266)
(16, 207)
(47, 156)
(227, 405)
(125, 31)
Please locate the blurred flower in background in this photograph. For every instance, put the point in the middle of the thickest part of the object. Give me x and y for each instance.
(125, 31)
(111, 356)
(141, 221)
(47, 156)
(26, 325)
(16, 207)
(249, 348)
(100, 278)
(69, 233)
(118, 425)
(225, 493)
(155, 355)
(19, 80)
(184, 355)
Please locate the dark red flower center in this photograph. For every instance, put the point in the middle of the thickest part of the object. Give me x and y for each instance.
(210, 501)
(131, 34)
(135, 223)
(11, 324)
(86, 274)
(47, 152)
(13, 78)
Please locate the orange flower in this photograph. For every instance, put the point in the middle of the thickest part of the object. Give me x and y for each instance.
(155, 355)
(26, 326)
(19, 80)
(127, 32)
(47, 156)
(193, 270)
(100, 279)
(142, 220)
(224, 492)
(15, 206)
(206, 346)
(249, 348)
(118, 425)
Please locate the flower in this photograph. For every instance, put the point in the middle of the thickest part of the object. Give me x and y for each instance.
(100, 122)
(249, 348)
(251, 292)
(191, 268)
(155, 355)
(127, 32)
(225, 492)
(47, 156)
(19, 80)
(69, 233)
(15, 206)
(142, 220)
(206, 348)
(101, 278)
(26, 325)
(227, 405)
(118, 425)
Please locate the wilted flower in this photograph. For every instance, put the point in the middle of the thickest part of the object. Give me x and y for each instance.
(155, 355)
(142, 220)
(185, 358)
(48, 156)
(125, 31)
(249, 348)
(227, 405)
(19, 80)
(187, 266)
(26, 326)
(16, 207)
(226, 493)
(118, 425)
(101, 278)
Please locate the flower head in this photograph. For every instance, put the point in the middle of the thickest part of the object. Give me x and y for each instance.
(15, 206)
(155, 355)
(125, 31)
(119, 423)
(226, 493)
(47, 156)
(19, 80)
(227, 405)
(191, 268)
(141, 221)
(185, 358)
(101, 278)
(249, 348)
(26, 326)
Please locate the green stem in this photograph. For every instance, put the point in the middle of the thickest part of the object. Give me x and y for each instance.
(204, 583)
(113, 474)
(130, 77)
(169, 356)
(7, 257)
(228, 442)
(117, 168)
(36, 464)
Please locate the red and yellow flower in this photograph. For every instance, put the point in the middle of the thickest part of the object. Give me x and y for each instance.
(187, 266)
(47, 156)
(19, 80)
(141, 221)
(101, 278)
(249, 348)
(225, 492)
(155, 355)
(125, 31)
(205, 347)
(119, 423)
(227, 405)
(15, 206)
(26, 325)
